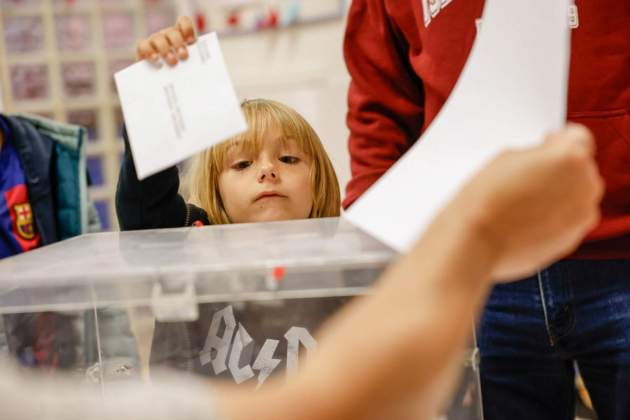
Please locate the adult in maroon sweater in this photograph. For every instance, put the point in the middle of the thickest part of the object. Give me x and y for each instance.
(404, 58)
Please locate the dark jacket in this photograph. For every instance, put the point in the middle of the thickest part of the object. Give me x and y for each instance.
(53, 159)
(154, 202)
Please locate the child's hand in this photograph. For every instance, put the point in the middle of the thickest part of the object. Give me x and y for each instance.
(168, 44)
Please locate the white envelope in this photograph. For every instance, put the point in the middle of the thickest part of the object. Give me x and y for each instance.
(171, 113)
(510, 93)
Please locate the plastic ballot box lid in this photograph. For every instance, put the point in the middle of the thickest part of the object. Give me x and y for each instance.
(238, 303)
(172, 267)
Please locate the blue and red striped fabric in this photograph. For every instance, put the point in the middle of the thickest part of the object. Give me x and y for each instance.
(17, 222)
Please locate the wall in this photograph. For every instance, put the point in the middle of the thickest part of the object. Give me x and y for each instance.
(304, 68)
(57, 58)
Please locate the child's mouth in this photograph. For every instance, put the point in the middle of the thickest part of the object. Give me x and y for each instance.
(268, 194)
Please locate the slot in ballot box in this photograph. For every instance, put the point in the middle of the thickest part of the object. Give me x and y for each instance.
(239, 303)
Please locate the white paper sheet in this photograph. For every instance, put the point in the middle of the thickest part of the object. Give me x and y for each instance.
(510, 93)
(172, 113)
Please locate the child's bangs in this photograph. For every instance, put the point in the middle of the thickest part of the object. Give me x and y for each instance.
(265, 115)
(246, 143)
(261, 117)
(295, 127)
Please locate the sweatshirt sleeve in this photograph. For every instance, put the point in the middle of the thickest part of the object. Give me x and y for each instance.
(152, 203)
(385, 98)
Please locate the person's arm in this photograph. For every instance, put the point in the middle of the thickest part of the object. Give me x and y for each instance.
(386, 350)
(26, 394)
(385, 98)
(151, 203)
(395, 353)
(154, 202)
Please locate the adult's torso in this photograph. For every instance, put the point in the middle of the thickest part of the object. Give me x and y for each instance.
(438, 36)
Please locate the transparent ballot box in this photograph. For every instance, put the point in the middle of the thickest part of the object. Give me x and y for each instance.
(237, 303)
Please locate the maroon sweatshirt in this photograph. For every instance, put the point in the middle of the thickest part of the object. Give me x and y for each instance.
(405, 57)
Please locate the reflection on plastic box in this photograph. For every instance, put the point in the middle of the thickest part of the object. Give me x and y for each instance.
(236, 303)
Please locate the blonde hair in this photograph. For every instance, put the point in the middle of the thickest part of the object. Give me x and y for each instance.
(261, 115)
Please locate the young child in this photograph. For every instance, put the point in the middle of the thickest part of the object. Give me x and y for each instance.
(277, 170)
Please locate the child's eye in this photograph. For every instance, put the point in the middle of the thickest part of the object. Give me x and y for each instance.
(241, 164)
(291, 160)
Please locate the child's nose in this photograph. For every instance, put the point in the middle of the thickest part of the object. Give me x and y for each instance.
(267, 172)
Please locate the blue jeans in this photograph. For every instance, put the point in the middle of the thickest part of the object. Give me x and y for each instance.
(533, 331)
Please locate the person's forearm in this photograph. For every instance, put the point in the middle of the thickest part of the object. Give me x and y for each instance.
(395, 343)
(26, 394)
(390, 346)
(152, 203)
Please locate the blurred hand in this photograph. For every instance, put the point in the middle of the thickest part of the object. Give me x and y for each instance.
(538, 204)
(168, 44)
